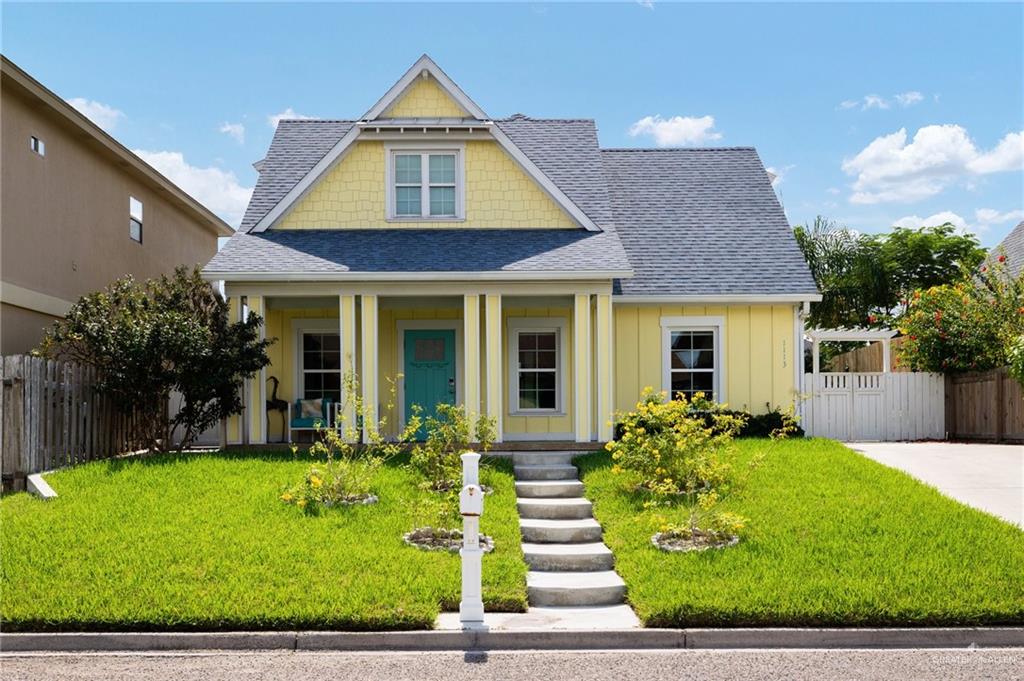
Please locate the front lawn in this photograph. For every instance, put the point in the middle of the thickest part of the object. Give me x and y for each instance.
(834, 539)
(203, 542)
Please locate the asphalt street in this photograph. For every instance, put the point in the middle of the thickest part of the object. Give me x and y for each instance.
(749, 665)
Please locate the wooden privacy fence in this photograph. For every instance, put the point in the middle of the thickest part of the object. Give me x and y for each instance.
(985, 405)
(52, 417)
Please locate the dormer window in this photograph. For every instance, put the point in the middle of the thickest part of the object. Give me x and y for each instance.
(425, 183)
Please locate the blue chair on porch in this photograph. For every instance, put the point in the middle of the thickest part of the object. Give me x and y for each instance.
(309, 422)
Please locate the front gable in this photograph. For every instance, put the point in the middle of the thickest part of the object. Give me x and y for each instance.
(424, 98)
(498, 194)
(355, 185)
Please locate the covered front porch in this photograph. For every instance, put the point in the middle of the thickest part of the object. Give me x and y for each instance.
(535, 357)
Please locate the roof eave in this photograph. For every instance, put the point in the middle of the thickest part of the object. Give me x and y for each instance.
(489, 275)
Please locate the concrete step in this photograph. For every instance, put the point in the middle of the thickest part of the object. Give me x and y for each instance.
(555, 509)
(548, 489)
(546, 472)
(591, 557)
(574, 588)
(543, 458)
(539, 531)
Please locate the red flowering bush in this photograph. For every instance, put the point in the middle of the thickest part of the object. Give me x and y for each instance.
(967, 326)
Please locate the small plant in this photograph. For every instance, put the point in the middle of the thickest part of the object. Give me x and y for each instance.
(678, 453)
(1015, 357)
(347, 468)
(450, 434)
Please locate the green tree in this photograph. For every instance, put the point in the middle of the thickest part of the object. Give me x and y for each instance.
(170, 334)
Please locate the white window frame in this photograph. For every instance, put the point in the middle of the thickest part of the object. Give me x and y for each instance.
(712, 323)
(558, 325)
(37, 145)
(132, 217)
(304, 326)
(425, 149)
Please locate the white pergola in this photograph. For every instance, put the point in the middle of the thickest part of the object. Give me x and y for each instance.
(856, 334)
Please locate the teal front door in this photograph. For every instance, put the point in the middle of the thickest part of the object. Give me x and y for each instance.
(429, 371)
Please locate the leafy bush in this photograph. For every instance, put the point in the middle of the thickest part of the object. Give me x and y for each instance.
(1015, 356)
(768, 424)
(968, 326)
(450, 434)
(170, 334)
(676, 457)
(347, 469)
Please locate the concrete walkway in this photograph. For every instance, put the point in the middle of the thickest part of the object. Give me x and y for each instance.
(987, 477)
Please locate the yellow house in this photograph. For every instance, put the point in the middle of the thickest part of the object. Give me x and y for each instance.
(512, 266)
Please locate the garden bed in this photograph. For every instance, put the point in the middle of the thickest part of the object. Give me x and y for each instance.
(202, 541)
(834, 539)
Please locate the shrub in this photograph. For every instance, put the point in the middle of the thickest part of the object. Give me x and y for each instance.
(170, 334)
(450, 434)
(968, 326)
(1015, 356)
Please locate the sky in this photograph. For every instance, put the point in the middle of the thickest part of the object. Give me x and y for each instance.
(872, 115)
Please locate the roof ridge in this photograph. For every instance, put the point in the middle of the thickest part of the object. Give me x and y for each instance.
(520, 117)
(317, 120)
(664, 149)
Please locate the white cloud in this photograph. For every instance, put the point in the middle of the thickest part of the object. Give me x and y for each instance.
(234, 130)
(677, 130)
(778, 174)
(984, 219)
(909, 98)
(891, 169)
(833, 190)
(646, 4)
(940, 218)
(988, 216)
(219, 190)
(107, 117)
(288, 114)
(873, 101)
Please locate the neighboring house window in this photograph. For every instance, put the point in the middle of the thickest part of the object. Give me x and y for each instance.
(135, 219)
(692, 356)
(321, 365)
(425, 184)
(37, 145)
(537, 365)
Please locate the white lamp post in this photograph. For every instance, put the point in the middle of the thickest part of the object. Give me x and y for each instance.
(471, 506)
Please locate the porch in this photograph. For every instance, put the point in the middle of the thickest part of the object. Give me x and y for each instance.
(537, 358)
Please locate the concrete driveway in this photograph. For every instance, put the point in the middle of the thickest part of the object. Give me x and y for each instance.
(987, 477)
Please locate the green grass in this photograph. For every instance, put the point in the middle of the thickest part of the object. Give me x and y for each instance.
(202, 542)
(834, 539)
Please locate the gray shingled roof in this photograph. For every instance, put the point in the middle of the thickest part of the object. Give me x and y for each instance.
(1013, 248)
(702, 222)
(686, 221)
(338, 251)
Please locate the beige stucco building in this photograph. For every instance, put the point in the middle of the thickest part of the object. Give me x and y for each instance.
(79, 210)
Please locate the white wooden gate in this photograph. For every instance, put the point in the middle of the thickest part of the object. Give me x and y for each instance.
(875, 406)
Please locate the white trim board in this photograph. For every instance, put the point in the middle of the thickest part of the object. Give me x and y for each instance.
(695, 323)
(424, 150)
(726, 299)
(33, 300)
(560, 326)
(499, 275)
(403, 325)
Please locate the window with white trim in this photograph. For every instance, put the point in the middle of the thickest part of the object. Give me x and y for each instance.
(692, 356)
(536, 365)
(321, 365)
(135, 219)
(37, 145)
(425, 184)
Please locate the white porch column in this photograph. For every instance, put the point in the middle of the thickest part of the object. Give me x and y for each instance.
(232, 429)
(256, 410)
(347, 334)
(368, 375)
(471, 354)
(493, 327)
(605, 368)
(582, 364)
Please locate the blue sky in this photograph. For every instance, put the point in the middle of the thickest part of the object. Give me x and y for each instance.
(871, 114)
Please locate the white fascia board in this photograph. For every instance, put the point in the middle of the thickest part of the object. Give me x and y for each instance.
(336, 153)
(427, 64)
(748, 299)
(588, 275)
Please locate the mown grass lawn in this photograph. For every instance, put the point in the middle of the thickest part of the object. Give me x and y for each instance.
(202, 542)
(834, 539)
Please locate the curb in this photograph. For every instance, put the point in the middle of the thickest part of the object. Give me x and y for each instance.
(634, 639)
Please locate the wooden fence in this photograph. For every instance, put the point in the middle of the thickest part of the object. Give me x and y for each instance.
(867, 358)
(984, 405)
(52, 417)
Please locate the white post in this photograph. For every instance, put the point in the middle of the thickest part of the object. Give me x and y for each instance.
(471, 608)
(886, 356)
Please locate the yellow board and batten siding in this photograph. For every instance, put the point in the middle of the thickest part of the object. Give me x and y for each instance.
(757, 348)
